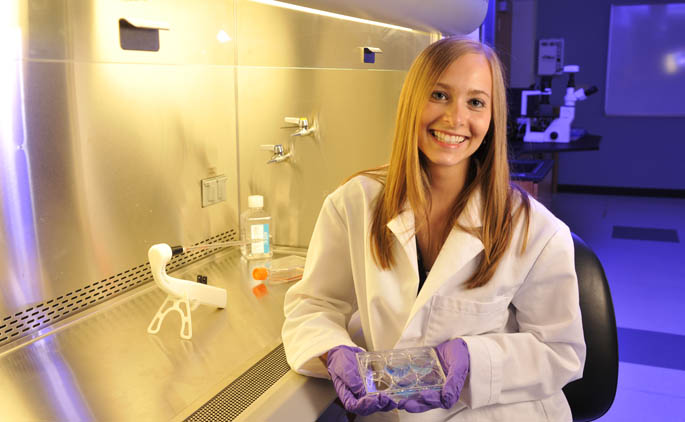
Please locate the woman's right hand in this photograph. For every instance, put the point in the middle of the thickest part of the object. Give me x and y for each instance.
(341, 363)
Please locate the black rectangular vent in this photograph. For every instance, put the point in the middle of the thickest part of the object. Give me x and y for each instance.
(135, 38)
(645, 233)
(230, 402)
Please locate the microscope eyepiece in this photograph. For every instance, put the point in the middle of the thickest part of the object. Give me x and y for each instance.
(591, 90)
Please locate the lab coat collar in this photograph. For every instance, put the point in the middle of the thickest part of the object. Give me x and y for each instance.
(402, 226)
(459, 248)
(471, 217)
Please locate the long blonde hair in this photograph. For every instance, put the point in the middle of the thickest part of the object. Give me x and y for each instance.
(405, 178)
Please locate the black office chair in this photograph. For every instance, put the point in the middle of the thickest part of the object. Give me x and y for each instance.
(591, 396)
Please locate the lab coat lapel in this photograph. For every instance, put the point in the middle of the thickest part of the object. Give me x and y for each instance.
(402, 227)
(459, 249)
(392, 295)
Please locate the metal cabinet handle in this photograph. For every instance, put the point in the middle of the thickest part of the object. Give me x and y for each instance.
(276, 149)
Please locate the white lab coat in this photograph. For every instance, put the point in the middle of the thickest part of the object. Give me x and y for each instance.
(523, 329)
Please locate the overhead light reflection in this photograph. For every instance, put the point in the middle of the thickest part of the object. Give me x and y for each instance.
(16, 202)
(222, 36)
(59, 383)
(673, 62)
(330, 14)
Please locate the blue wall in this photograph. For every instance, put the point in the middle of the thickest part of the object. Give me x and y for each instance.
(635, 152)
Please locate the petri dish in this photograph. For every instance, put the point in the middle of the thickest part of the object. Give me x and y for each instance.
(408, 380)
(377, 382)
(433, 378)
(374, 362)
(400, 372)
(422, 364)
(397, 364)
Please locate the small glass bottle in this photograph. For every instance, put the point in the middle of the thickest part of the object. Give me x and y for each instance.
(255, 226)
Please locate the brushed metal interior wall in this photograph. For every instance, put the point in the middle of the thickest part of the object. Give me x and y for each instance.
(108, 146)
(115, 142)
(299, 64)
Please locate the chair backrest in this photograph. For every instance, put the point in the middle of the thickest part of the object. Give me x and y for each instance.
(591, 396)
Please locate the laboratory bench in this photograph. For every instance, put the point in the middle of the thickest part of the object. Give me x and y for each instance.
(586, 142)
(102, 365)
(535, 165)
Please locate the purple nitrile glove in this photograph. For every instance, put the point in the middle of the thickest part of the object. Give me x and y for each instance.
(421, 401)
(343, 369)
(455, 361)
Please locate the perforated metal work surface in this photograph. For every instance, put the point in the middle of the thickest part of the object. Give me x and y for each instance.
(103, 365)
(241, 393)
(13, 327)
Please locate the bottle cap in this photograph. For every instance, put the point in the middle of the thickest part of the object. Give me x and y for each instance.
(255, 201)
(260, 273)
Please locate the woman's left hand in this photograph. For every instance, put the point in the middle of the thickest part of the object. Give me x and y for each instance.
(421, 402)
(455, 361)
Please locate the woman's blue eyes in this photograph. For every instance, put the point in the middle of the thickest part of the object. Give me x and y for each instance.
(442, 96)
(476, 103)
(437, 95)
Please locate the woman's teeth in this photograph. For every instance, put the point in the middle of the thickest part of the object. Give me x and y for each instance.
(448, 139)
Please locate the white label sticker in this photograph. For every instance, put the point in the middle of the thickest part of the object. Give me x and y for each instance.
(260, 231)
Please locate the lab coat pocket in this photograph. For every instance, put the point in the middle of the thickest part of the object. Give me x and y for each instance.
(452, 317)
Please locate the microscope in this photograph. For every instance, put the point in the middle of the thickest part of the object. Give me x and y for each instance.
(541, 122)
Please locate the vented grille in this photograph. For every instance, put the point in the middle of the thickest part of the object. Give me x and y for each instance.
(40, 315)
(247, 388)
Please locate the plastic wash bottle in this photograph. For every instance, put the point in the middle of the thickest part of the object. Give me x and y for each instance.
(255, 226)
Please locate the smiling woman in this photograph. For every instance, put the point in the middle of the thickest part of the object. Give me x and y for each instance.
(454, 123)
(455, 88)
(457, 116)
(438, 249)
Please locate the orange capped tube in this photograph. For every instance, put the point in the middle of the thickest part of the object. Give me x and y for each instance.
(259, 274)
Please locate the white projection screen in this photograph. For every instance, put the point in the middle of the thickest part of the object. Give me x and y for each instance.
(646, 60)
